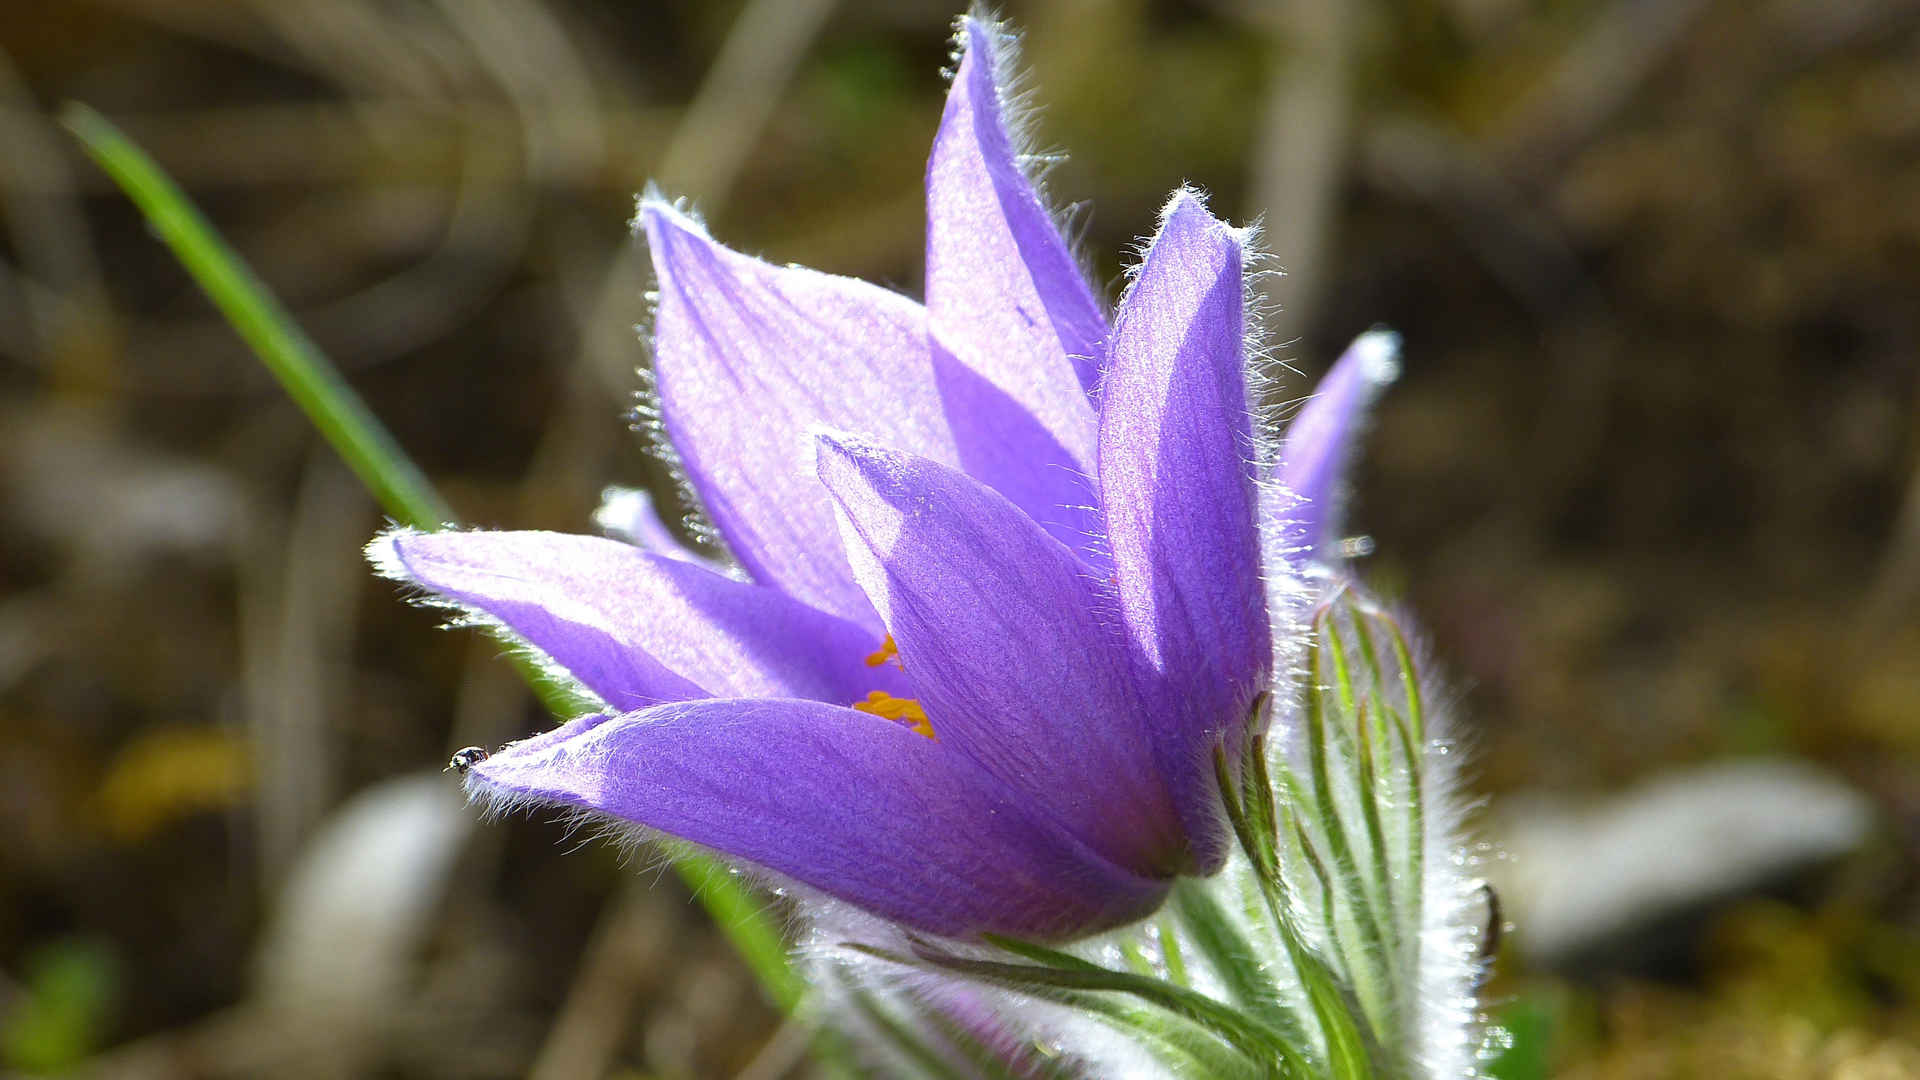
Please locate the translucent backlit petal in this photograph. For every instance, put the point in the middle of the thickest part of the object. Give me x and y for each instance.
(1320, 442)
(636, 628)
(1009, 646)
(748, 356)
(1177, 474)
(1017, 332)
(853, 805)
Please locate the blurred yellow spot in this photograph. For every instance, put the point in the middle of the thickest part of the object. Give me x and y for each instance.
(162, 776)
(880, 703)
(887, 651)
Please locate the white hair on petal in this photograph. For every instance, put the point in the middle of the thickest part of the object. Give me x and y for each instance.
(1019, 114)
(382, 551)
(645, 417)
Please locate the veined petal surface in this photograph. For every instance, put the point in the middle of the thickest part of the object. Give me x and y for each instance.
(749, 356)
(850, 804)
(1017, 660)
(1017, 332)
(1177, 478)
(637, 629)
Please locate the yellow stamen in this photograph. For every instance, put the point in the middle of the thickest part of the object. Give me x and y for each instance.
(882, 704)
(887, 651)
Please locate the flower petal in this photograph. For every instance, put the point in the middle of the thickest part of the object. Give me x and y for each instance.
(1320, 441)
(629, 514)
(635, 628)
(1176, 473)
(1009, 649)
(748, 356)
(1015, 326)
(1000, 277)
(850, 804)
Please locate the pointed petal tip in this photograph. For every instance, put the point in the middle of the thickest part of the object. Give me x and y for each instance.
(983, 52)
(379, 552)
(832, 447)
(487, 780)
(1186, 217)
(1017, 325)
(383, 551)
(840, 457)
(978, 32)
(853, 448)
(1188, 203)
(493, 782)
(1378, 353)
(667, 229)
(1185, 199)
(1191, 249)
(648, 205)
(654, 214)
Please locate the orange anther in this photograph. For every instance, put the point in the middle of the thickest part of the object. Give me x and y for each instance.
(905, 711)
(887, 651)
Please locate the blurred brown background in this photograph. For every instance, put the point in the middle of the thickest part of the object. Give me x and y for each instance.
(1649, 477)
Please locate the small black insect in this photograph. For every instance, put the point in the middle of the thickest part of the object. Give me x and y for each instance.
(466, 758)
(1495, 926)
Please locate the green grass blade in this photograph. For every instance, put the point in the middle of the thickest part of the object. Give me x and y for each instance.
(294, 359)
(743, 919)
(382, 466)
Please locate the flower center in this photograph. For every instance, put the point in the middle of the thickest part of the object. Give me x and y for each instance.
(898, 709)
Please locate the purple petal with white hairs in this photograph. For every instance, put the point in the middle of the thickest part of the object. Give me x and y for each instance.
(1062, 535)
(1002, 285)
(1017, 331)
(1176, 453)
(748, 356)
(855, 806)
(1320, 442)
(638, 629)
(1000, 630)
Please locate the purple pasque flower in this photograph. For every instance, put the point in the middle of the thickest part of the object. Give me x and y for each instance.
(1008, 590)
